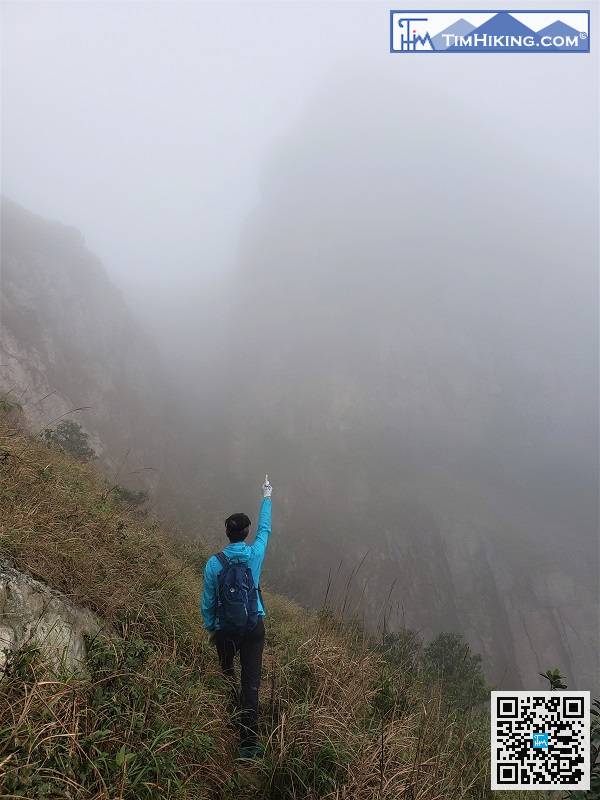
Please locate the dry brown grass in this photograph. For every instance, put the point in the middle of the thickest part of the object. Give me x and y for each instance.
(150, 719)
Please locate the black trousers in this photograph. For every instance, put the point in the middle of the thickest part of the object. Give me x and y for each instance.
(250, 647)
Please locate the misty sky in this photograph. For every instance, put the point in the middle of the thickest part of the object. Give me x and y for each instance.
(149, 125)
(145, 124)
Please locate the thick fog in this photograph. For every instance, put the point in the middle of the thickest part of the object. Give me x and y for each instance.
(147, 125)
(372, 275)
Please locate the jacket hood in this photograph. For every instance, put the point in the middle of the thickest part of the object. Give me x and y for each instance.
(238, 551)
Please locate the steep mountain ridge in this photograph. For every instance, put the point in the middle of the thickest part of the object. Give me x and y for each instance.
(68, 342)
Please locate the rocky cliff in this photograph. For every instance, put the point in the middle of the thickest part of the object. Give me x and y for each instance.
(412, 377)
(70, 349)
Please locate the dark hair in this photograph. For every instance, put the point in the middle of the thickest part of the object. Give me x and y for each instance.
(237, 527)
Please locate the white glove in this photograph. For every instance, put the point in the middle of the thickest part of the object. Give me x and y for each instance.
(267, 488)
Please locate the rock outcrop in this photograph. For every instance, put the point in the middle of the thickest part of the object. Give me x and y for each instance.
(32, 613)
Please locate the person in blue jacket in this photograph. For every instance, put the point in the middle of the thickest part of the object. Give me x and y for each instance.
(249, 644)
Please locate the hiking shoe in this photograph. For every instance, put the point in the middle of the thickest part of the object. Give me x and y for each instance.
(252, 751)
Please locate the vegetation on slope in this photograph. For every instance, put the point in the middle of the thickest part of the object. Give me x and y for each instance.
(342, 716)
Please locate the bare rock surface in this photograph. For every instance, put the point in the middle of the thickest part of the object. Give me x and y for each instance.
(33, 613)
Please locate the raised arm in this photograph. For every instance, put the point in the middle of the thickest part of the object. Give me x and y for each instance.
(263, 530)
(208, 604)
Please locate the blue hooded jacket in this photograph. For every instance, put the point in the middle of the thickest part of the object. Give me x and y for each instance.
(241, 552)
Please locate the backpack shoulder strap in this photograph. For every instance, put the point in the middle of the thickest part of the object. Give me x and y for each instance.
(223, 560)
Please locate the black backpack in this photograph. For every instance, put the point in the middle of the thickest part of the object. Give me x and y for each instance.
(237, 597)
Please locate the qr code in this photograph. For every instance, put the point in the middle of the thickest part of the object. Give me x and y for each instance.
(540, 740)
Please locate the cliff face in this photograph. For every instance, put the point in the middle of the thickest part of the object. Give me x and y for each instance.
(68, 342)
(409, 375)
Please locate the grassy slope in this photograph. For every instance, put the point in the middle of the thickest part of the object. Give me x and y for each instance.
(150, 719)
